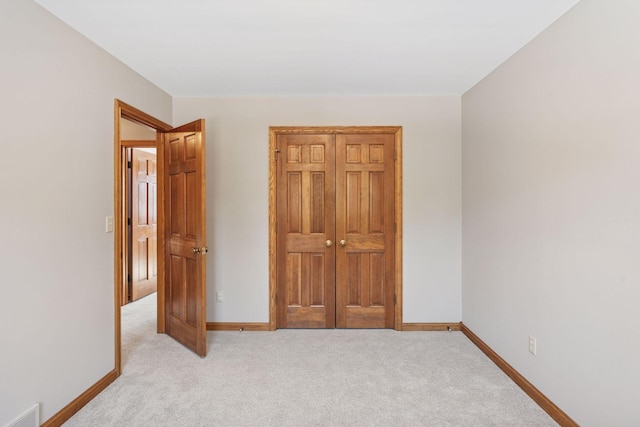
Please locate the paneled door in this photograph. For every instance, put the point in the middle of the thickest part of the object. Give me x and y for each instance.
(185, 235)
(306, 231)
(144, 224)
(335, 207)
(365, 230)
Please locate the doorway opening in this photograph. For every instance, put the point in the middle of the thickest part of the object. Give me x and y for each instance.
(140, 200)
(335, 227)
(132, 128)
(179, 263)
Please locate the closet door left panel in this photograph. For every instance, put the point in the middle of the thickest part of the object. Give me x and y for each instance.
(305, 231)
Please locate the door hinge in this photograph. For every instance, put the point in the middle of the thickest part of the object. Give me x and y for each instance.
(129, 165)
(128, 278)
(277, 151)
(395, 300)
(395, 227)
(395, 155)
(128, 221)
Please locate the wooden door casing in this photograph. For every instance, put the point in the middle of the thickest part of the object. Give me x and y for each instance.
(144, 224)
(185, 235)
(365, 229)
(370, 174)
(306, 230)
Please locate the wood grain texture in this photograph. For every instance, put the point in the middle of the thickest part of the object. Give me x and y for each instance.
(365, 221)
(131, 113)
(143, 259)
(185, 214)
(305, 217)
(333, 129)
(412, 327)
(138, 143)
(398, 227)
(239, 326)
(160, 294)
(68, 411)
(273, 155)
(119, 241)
(126, 248)
(374, 157)
(543, 401)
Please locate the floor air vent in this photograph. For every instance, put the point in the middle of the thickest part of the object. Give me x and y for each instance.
(30, 418)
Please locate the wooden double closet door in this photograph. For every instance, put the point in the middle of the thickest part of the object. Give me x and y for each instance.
(335, 229)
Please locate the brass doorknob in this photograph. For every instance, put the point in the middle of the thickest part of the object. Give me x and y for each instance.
(328, 243)
(198, 251)
(343, 243)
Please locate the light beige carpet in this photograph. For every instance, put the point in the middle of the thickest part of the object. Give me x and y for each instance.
(306, 378)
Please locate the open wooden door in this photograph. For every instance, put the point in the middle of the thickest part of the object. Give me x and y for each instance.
(183, 173)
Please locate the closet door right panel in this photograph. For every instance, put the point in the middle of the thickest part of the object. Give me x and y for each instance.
(365, 230)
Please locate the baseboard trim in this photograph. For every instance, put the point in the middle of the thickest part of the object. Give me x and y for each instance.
(430, 327)
(257, 326)
(543, 401)
(237, 326)
(68, 411)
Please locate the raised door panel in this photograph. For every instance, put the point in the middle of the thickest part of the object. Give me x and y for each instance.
(305, 222)
(365, 223)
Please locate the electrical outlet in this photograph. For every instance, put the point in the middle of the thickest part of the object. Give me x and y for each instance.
(219, 296)
(532, 345)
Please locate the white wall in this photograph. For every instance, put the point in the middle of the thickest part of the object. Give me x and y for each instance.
(237, 194)
(56, 170)
(135, 131)
(551, 211)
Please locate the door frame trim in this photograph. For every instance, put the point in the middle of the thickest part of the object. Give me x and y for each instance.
(274, 131)
(123, 110)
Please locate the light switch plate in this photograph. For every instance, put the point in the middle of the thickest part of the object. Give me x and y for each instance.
(533, 345)
(108, 226)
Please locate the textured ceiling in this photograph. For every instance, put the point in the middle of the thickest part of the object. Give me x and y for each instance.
(310, 47)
